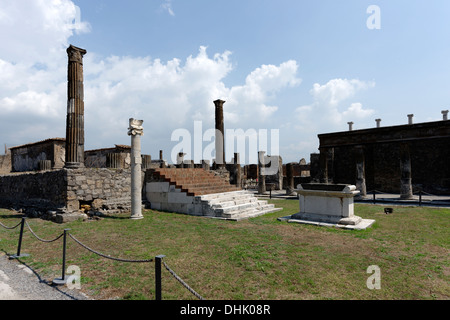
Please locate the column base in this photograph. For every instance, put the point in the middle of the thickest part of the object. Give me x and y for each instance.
(73, 165)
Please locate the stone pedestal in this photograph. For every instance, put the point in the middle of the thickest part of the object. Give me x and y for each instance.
(328, 205)
(136, 131)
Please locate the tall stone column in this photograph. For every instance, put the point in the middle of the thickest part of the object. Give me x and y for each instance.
(290, 179)
(323, 165)
(405, 171)
(261, 173)
(136, 131)
(180, 160)
(237, 168)
(220, 138)
(75, 109)
(360, 171)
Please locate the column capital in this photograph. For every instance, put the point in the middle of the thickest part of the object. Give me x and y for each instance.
(136, 127)
(75, 54)
(219, 103)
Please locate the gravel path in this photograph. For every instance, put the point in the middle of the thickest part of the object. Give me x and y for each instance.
(19, 282)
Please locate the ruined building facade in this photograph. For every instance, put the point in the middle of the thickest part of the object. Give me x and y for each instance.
(401, 159)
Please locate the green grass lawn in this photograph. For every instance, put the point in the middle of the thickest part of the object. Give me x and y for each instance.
(260, 258)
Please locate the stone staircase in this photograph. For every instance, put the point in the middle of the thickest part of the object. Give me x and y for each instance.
(194, 181)
(205, 194)
(235, 205)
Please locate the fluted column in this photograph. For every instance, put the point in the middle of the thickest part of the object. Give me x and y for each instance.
(75, 109)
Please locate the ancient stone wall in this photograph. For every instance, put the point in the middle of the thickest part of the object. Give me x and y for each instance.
(67, 190)
(38, 190)
(98, 158)
(101, 189)
(26, 158)
(427, 145)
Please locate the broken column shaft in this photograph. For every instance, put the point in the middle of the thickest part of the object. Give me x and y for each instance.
(290, 188)
(220, 140)
(360, 171)
(261, 173)
(75, 109)
(405, 172)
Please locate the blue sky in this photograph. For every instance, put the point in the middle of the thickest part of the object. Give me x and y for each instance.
(299, 67)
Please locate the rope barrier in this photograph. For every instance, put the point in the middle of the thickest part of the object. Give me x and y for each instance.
(182, 282)
(104, 255)
(34, 234)
(10, 228)
(62, 279)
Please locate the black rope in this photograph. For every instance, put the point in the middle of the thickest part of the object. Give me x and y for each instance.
(182, 282)
(10, 228)
(104, 255)
(34, 234)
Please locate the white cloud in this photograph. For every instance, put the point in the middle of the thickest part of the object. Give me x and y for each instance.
(167, 5)
(174, 94)
(37, 31)
(329, 112)
(356, 111)
(166, 95)
(328, 103)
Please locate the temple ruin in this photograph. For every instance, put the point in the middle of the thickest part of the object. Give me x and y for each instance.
(57, 179)
(400, 159)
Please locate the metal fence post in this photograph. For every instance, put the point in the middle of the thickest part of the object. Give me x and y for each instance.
(158, 287)
(374, 193)
(19, 255)
(63, 280)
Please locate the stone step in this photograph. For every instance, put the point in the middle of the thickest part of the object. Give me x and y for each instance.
(225, 195)
(250, 213)
(194, 181)
(230, 203)
(217, 197)
(221, 210)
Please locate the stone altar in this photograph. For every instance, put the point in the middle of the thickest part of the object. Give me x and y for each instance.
(328, 205)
